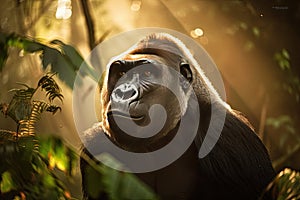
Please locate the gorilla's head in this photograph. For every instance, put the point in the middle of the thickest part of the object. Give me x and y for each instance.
(154, 71)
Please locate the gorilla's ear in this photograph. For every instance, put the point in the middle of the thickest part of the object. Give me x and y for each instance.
(186, 71)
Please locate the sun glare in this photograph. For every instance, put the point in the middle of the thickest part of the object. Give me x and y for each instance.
(136, 5)
(198, 32)
(64, 9)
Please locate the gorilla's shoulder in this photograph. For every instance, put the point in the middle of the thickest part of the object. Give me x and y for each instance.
(89, 134)
(93, 137)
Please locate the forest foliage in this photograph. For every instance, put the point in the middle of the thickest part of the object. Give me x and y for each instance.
(31, 162)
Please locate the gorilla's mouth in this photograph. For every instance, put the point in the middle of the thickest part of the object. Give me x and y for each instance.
(123, 114)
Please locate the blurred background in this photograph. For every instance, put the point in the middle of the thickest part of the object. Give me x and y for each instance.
(255, 45)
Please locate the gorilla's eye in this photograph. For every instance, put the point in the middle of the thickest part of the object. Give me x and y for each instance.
(147, 73)
(122, 73)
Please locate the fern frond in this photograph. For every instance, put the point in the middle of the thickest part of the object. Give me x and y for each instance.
(6, 135)
(52, 89)
(26, 128)
(53, 109)
(19, 107)
(38, 107)
(286, 185)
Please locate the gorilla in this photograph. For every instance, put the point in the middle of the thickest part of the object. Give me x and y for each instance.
(237, 167)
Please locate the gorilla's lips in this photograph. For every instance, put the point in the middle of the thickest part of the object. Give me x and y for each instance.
(119, 113)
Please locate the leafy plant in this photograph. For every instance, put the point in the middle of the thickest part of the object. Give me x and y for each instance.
(114, 184)
(286, 124)
(63, 59)
(25, 111)
(291, 84)
(285, 186)
(25, 168)
(29, 161)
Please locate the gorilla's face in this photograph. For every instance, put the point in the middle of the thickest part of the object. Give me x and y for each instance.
(135, 83)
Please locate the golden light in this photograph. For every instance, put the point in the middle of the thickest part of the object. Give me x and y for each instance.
(193, 34)
(198, 32)
(64, 9)
(136, 5)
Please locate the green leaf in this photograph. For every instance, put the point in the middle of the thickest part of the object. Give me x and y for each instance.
(70, 52)
(132, 188)
(50, 56)
(120, 185)
(100, 179)
(63, 59)
(59, 64)
(76, 59)
(24, 43)
(278, 122)
(32, 46)
(284, 64)
(285, 54)
(282, 58)
(58, 154)
(49, 181)
(7, 183)
(256, 31)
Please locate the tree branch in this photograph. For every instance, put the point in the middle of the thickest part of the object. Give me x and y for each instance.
(89, 22)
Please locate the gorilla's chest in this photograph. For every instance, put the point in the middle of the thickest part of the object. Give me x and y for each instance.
(179, 180)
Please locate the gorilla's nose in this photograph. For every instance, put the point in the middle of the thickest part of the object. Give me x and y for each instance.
(125, 93)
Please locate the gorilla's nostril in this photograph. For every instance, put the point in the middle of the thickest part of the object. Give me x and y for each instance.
(129, 94)
(125, 95)
(119, 94)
